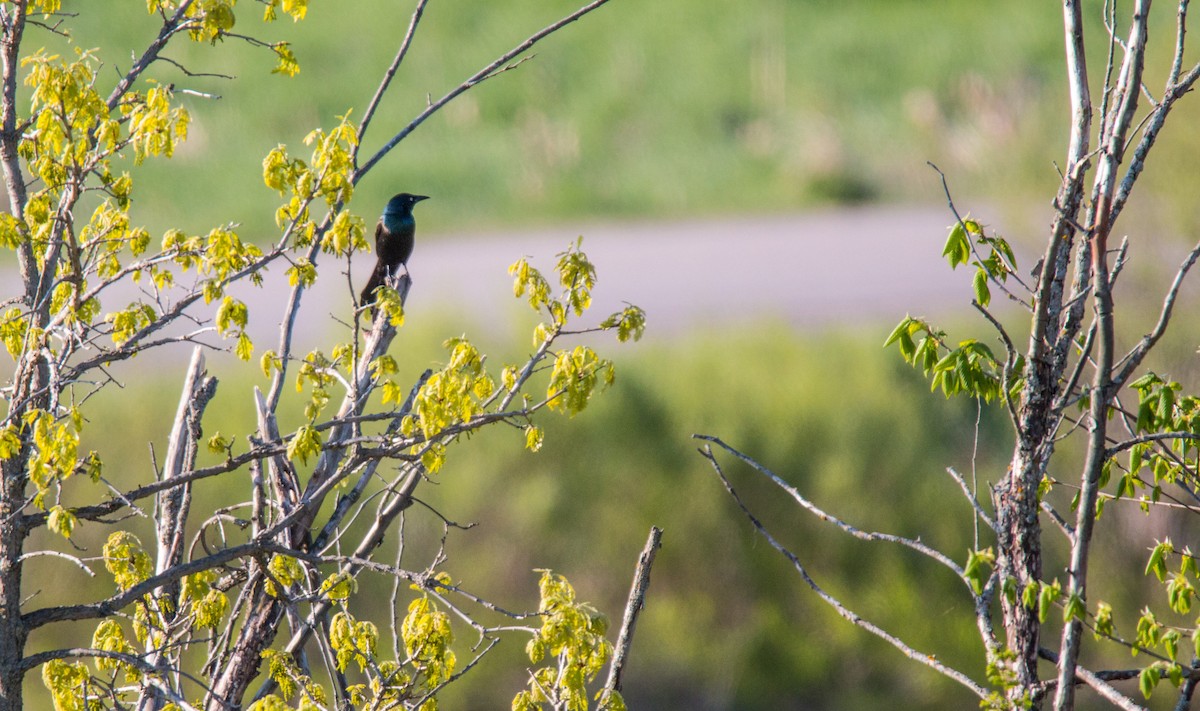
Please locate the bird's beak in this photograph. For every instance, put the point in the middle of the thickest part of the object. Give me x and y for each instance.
(419, 198)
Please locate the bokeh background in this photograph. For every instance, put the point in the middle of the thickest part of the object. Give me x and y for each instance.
(754, 175)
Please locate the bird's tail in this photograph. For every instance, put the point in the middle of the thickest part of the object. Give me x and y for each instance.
(378, 276)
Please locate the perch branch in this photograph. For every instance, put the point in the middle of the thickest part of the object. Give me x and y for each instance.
(633, 607)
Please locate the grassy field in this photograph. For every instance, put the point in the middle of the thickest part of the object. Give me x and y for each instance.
(728, 624)
(676, 107)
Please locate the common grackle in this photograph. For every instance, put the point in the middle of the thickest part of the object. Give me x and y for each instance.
(393, 242)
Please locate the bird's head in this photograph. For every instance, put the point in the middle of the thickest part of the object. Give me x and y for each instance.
(402, 204)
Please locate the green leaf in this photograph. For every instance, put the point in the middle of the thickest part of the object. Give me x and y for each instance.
(630, 323)
(303, 272)
(1145, 381)
(1157, 563)
(339, 586)
(244, 348)
(1126, 485)
(1180, 593)
(1149, 631)
(1074, 609)
(305, 444)
(1188, 563)
(978, 568)
(1104, 621)
(1004, 248)
(232, 313)
(1166, 403)
(957, 249)
(218, 444)
(982, 294)
(1136, 452)
(1148, 679)
(533, 438)
(61, 521)
(1029, 596)
(1170, 642)
(1046, 599)
(270, 361)
(900, 330)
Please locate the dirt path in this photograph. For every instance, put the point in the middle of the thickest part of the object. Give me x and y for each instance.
(832, 268)
(819, 269)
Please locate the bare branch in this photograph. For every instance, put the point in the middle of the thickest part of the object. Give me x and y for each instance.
(1151, 437)
(928, 660)
(829, 518)
(634, 605)
(1134, 358)
(347, 500)
(190, 73)
(59, 554)
(1106, 690)
(1058, 520)
(171, 27)
(1098, 681)
(495, 68)
(391, 72)
(174, 504)
(1103, 388)
(1010, 359)
(970, 496)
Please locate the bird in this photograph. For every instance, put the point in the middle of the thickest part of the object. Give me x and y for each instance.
(393, 242)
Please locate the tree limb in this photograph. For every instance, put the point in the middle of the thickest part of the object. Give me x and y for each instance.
(634, 605)
(928, 660)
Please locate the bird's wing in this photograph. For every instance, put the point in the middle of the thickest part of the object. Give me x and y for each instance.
(378, 232)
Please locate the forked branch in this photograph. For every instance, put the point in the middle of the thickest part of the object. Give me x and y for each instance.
(928, 660)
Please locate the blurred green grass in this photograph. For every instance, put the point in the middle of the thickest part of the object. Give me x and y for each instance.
(728, 623)
(720, 628)
(676, 107)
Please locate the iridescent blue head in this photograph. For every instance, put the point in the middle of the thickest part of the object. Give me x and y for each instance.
(400, 206)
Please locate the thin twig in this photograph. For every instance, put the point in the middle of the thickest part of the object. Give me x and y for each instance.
(391, 71)
(1134, 358)
(496, 68)
(59, 554)
(1098, 681)
(971, 498)
(1010, 359)
(829, 518)
(928, 660)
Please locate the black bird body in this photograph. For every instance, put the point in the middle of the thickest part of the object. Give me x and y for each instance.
(393, 242)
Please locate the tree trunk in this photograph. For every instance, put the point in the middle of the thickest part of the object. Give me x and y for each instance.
(12, 628)
(1019, 532)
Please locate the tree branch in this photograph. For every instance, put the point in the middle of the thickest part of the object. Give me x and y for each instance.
(390, 73)
(1134, 358)
(633, 606)
(928, 660)
(829, 518)
(495, 68)
(170, 28)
